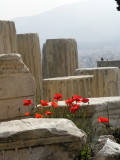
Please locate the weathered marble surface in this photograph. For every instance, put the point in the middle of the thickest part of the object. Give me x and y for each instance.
(106, 81)
(44, 139)
(16, 84)
(29, 48)
(60, 58)
(8, 38)
(68, 86)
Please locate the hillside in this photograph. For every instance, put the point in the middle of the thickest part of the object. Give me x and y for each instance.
(94, 24)
(88, 21)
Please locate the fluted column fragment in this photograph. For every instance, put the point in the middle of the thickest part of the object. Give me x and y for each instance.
(8, 37)
(29, 48)
(60, 58)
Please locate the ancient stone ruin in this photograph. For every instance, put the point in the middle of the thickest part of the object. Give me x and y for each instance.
(29, 48)
(25, 75)
(60, 58)
(106, 80)
(8, 37)
(16, 84)
(22, 138)
(68, 86)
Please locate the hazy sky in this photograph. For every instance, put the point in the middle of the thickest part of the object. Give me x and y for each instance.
(16, 8)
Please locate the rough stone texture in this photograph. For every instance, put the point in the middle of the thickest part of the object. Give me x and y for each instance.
(68, 86)
(107, 149)
(101, 142)
(60, 58)
(16, 84)
(8, 38)
(114, 63)
(106, 81)
(29, 48)
(40, 139)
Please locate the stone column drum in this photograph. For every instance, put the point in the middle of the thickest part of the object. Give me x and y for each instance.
(8, 37)
(29, 48)
(16, 84)
(60, 58)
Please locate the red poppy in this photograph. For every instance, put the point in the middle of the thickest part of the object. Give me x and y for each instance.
(48, 113)
(74, 108)
(85, 100)
(54, 104)
(27, 114)
(57, 97)
(69, 101)
(104, 120)
(44, 103)
(77, 98)
(27, 102)
(38, 115)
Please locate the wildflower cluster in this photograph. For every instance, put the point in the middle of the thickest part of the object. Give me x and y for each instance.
(72, 104)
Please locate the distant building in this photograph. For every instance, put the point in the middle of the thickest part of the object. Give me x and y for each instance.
(113, 63)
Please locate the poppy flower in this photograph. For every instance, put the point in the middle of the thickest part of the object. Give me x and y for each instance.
(38, 115)
(69, 101)
(54, 104)
(77, 98)
(27, 102)
(85, 100)
(57, 97)
(44, 103)
(104, 120)
(74, 108)
(27, 114)
(48, 113)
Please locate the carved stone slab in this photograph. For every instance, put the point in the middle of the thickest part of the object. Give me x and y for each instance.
(16, 84)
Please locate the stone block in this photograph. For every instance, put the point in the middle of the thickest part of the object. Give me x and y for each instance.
(8, 37)
(16, 84)
(29, 48)
(106, 81)
(40, 139)
(60, 58)
(68, 86)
